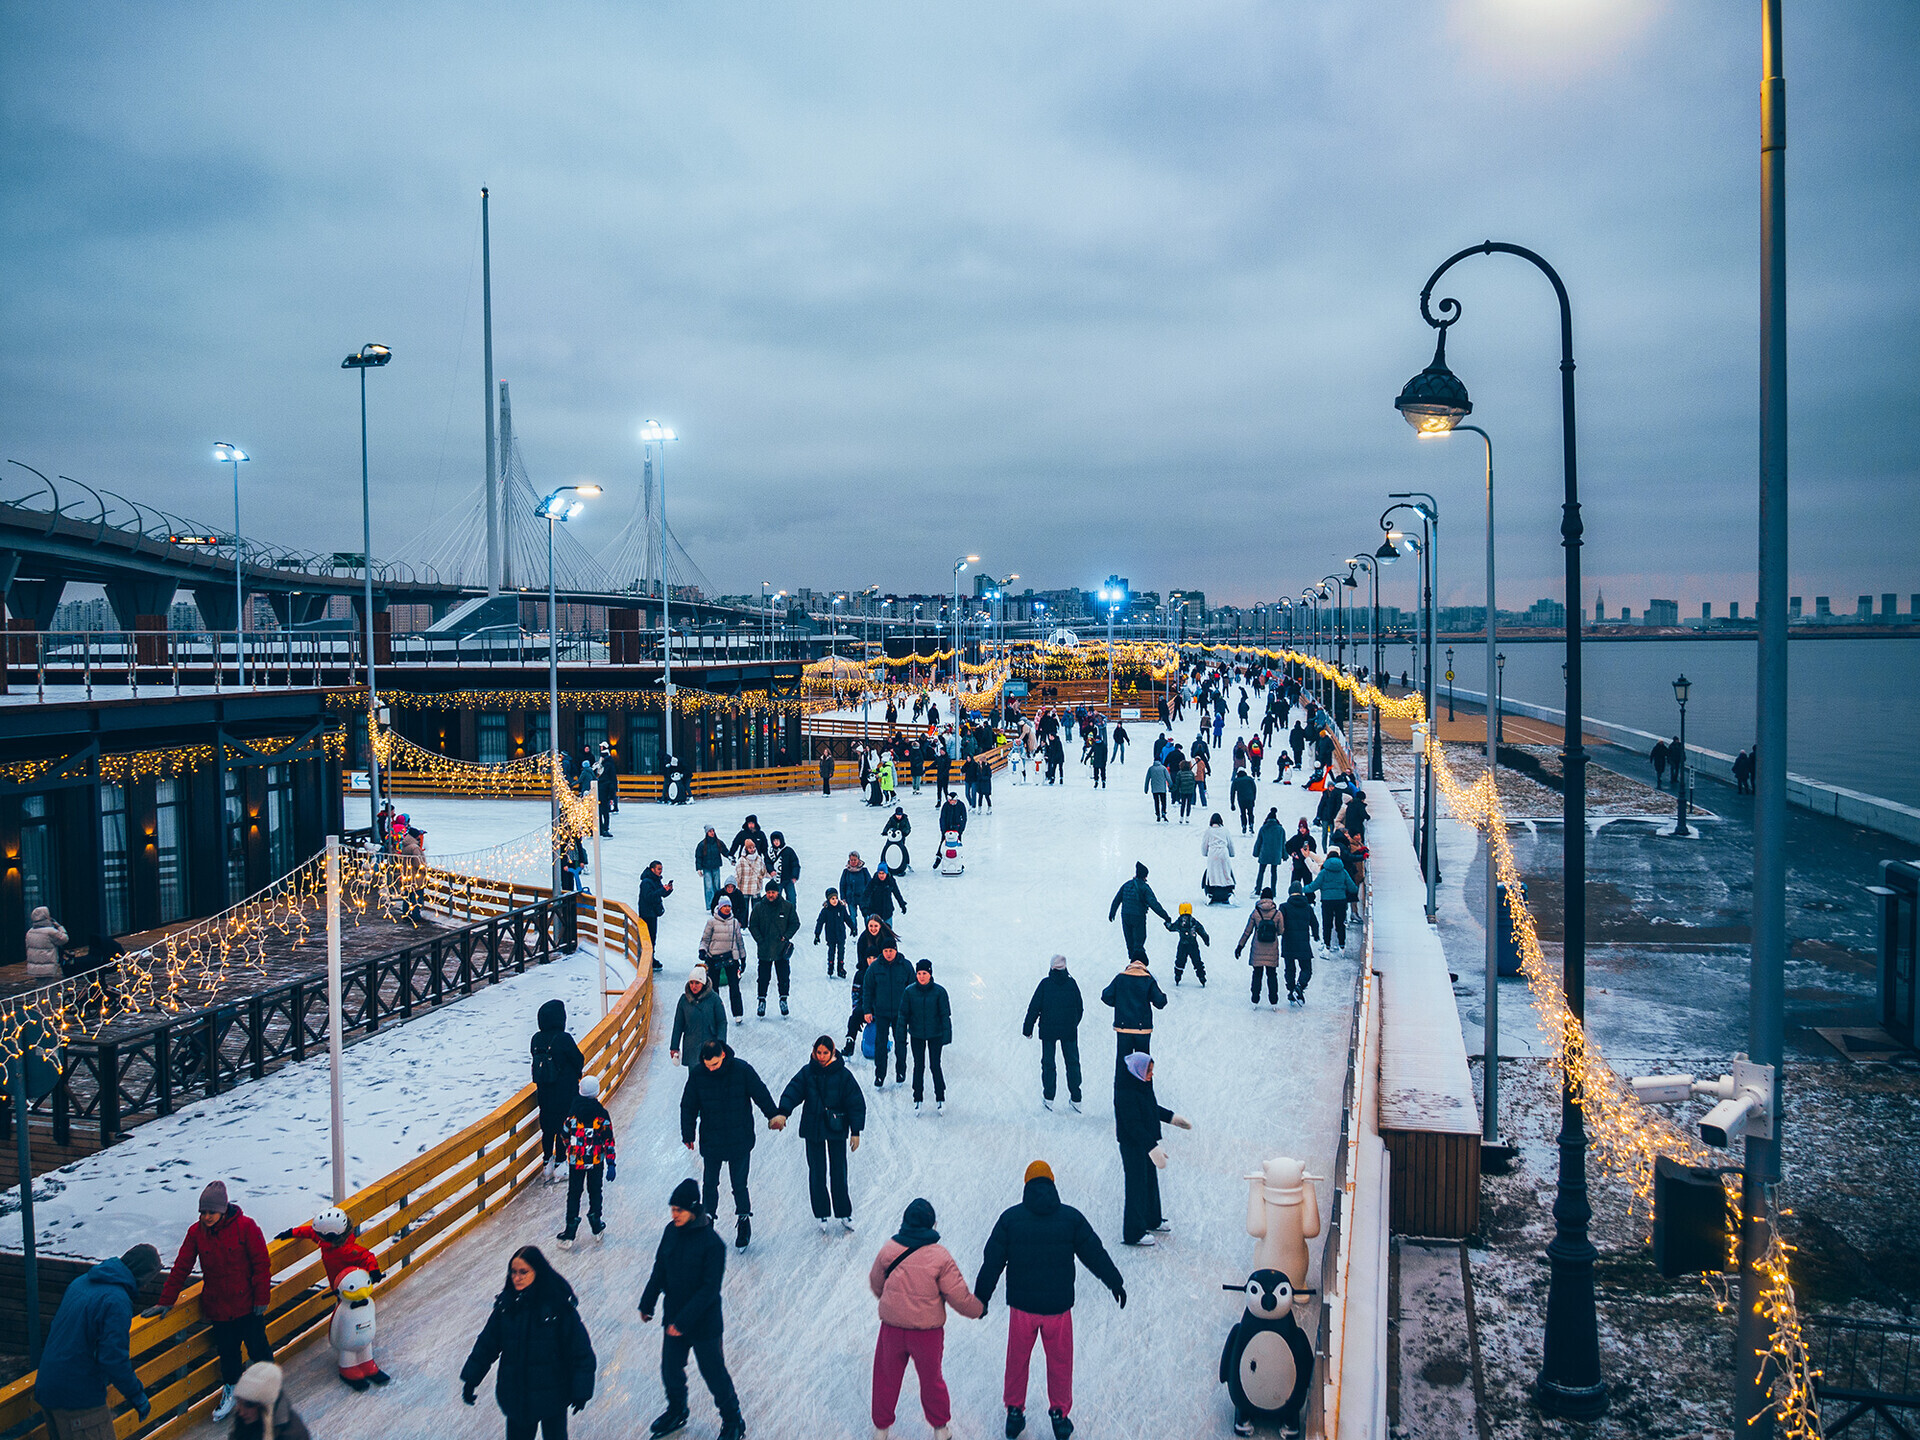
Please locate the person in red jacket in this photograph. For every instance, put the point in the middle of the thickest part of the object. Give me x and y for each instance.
(340, 1252)
(236, 1284)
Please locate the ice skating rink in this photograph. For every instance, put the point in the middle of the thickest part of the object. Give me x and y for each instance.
(1042, 867)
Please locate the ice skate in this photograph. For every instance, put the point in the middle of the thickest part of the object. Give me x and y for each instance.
(565, 1237)
(1045, 1103)
(763, 1007)
(846, 1223)
(1145, 1242)
(668, 1423)
(783, 1006)
(1016, 1421)
(225, 1407)
(1062, 1426)
(918, 1106)
(1165, 1227)
(939, 1107)
(743, 1233)
(823, 1224)
(599, 1229)
(1075, 1104)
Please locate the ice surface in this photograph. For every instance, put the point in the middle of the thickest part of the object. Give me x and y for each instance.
(1042, 867)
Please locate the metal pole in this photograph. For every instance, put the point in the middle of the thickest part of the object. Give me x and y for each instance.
(30, 1260)
(1376, 764)
(486, 400)
(239, 595)
(666, 640)
(366, 570)
(1766, 1018)
(333, 1020)
(600, 920)
(1680, 778)
(553, 710)
(1490, 1080)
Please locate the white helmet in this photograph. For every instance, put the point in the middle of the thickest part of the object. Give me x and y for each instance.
(332, 1221)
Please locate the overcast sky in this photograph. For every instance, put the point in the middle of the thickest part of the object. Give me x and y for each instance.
(1081, 287)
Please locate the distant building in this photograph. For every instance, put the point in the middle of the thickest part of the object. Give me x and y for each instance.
(1706, 612)
(1889, 607)
(1548, 613)
(1864, 610)
(1822, 607)
(1793, 607)
(1663, 612)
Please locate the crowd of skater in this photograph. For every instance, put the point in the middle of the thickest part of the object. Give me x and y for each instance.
(534, 1342)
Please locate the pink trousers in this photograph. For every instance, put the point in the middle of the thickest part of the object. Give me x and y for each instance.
(1055, 1334)
(890, 1355)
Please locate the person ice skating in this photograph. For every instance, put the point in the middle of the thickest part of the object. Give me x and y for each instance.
(557, 1064)
(341, 1254)
(1299, 929)
(749, 830)
(708, 856)
(1298, 849)
(1120, 743)
(1137, 1116)
(723, 950)
(882, 894)
(1187, 950)
(927, 1015)
(783, 865)
(1297, 741)
(1354, 816)
(875, 936)
(836, 921)
(1132, 902)
(1036, 1243)
(546, 1359)
(1184, 787)
(1256, 752)
(915, 1280)
(1097, 754)
(773, 927)
(261, 1410)
(826, 770)
(1216, 846)
(654, 890)
(750, 879)
(236, 1285)
(1134, 995)
(1056, 1008)
(1244, 794)
(953, 817)
(590, 1159)
(720, 1094)
(1269, 848)
(1263, 932)
(1201, 770)
(1324, 815)
(833, 1112)
(1158, 784)
(853, 882)
(881, 991)
(698, 1016)
(1335, 888)
(87, 1348)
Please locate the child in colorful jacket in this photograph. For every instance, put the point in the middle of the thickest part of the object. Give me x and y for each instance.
(590, 1157)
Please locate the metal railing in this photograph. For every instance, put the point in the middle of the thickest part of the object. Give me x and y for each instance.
(1868, 1370)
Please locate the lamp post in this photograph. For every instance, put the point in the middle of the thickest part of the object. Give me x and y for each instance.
(1449, 682)
(1500, 698)
(1376, 768)
(1113, 595)
(368, 357)
(1427, 548)
(654, 434)
(232, 455)
(1570, 1384)
(1681, 789)
(554, 510)
(958, 566)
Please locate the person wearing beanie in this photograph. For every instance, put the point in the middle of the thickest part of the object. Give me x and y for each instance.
(698, 1017)
(1137, 1116)
(928, 1016)
(723, 950)
(875, 938)
(87, 1348)
(916, 1280)
(236, 1285)
(590, 1159)
(1187, 951)
(261, 1408)
(833, 1112)
(688, 1268)
(1134, 995)
(1131, 902)
(1299, 930)
(773, 927)
(546, 1357)
(557, 1064)
(881, 992)
(1056, 1009)
(1036, 1244)
(718, 1102)
(836, 920)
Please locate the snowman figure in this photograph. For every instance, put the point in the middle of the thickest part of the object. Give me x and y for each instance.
(351, 1333)
(950, 860)
(1267, 1363)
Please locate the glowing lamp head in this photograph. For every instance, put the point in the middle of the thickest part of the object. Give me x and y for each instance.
(223, 452)
(653, 431)
(1434, 401)
(1680, 689)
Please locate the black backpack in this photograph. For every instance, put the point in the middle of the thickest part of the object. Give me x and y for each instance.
(546, 1066)
(1266, 932)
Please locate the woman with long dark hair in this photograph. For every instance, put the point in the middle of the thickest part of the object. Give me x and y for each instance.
(546, 1358)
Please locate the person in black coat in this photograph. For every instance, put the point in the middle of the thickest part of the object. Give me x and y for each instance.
(1296, 942)
(1137, 1115)
(1331, 799)
(773, 927)
(1299, 846)
(719, 1098)
(886, 981)
(1245, 795)
(928, 1016)
(836, 920)
(1131, 902)
(833, 1112)
(953, 816)
(1036, 1244)
(546, 1358)
(1297, 742)
(688, 1267)
(882, 894)
(708, 856)
(749, 830)
(876, 935)
(1056, 1008)
(1134, 995)
(607, 786)
(654, 891)
(557, 1064)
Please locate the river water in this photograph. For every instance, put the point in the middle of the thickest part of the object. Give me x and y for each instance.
(1850, 714)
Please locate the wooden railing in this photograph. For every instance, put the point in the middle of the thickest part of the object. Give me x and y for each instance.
(405, 1219)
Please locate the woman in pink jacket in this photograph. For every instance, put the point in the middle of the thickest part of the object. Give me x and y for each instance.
(916, 1281)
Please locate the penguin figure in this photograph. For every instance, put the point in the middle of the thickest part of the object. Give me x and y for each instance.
(351, 1333)
(1267, 1363)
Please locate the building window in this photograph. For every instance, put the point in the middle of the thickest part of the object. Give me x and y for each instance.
(39, 857)
(494, 749)
(233, 784)
(593, 732)
(537, 743)
(280, 846)
(170, 845)
(643, 745)
(113, 859)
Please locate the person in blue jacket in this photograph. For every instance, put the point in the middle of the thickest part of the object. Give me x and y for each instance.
(87, 1347)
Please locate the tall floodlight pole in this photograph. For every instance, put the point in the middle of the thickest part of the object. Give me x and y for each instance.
(1368, 563)
(368, 357)
(486, 398)
(232, 455)
(958, 566)
(1570, 1383)
(1766, 1014)
(554, 510)
(656, 435)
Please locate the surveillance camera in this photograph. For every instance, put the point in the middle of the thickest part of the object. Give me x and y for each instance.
(1663, 1089)
(1727, 1121)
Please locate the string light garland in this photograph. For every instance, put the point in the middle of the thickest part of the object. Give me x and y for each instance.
(685, 701)
(1627, 1136)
